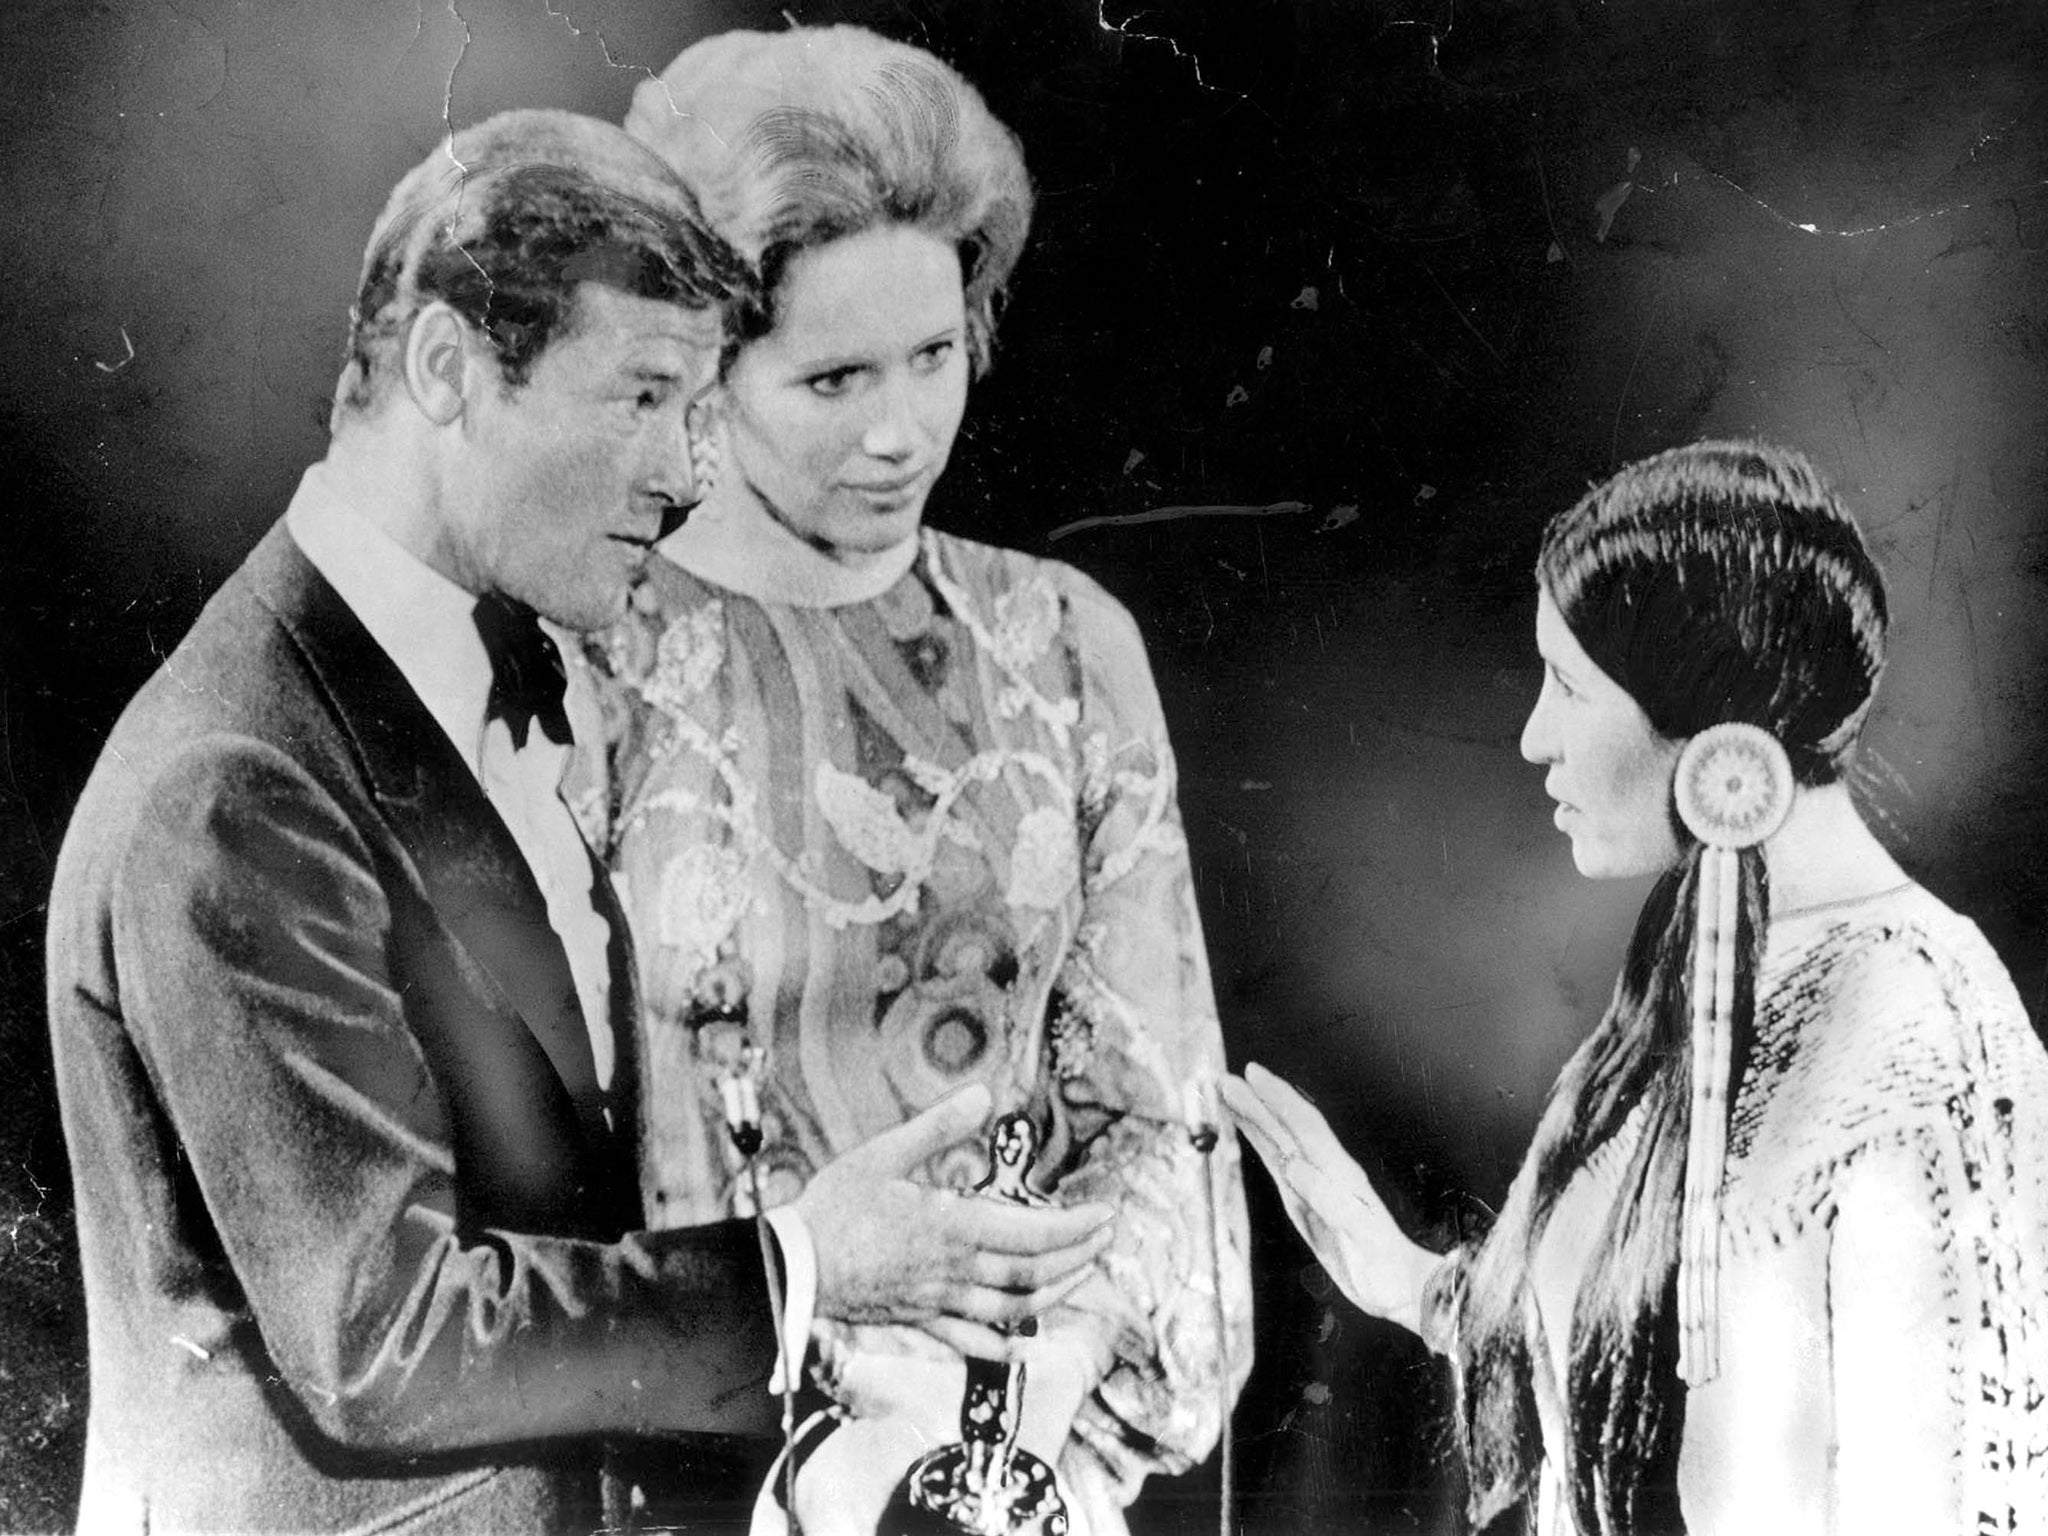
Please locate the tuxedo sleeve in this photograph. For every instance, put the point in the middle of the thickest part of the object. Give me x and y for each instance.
(253, 929)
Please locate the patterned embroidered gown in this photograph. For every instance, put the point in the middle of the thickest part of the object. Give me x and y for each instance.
(906, 842)
(1884, 1250)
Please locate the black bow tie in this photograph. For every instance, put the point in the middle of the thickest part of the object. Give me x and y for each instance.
(526, 671)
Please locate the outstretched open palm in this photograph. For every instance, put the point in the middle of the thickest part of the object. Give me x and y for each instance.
(1329, 1199)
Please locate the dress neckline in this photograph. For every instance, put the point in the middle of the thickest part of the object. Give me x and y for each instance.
(731, 542)
(1841, 903)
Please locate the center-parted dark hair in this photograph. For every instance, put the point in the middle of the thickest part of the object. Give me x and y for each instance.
(506, 221)
(792, 140)
(1718, 582)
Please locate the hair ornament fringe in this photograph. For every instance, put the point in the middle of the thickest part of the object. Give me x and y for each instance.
(1734, 788)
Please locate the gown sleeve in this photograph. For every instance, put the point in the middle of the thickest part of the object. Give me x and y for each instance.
(1134, 1045)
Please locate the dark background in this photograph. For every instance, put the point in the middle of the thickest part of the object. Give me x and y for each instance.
(1350, 254)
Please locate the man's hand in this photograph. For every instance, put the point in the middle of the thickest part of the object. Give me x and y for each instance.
(894, 1251)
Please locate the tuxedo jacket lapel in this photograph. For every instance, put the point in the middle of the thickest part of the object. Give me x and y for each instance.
(475, 877)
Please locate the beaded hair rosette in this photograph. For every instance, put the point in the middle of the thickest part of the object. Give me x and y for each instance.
(1734, 786)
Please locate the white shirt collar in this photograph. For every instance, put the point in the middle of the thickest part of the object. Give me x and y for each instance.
(420, 618)
(732, 542)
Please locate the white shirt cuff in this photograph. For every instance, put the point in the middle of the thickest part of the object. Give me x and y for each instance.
(799, 1293)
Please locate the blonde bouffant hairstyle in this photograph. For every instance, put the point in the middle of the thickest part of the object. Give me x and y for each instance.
(791, 140)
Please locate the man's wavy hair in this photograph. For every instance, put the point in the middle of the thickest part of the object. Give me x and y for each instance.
(504, 221)
(1718, 582)
(791, 140)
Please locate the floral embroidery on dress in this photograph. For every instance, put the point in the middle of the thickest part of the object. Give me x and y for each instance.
(1072, 1038)
(687, 658)
(1096, 780)
(1027, 620)
(1044, 865)
(1016, 646)
(1089, 993)
(892, 974)
(867, 823)
(1157, 833)
(703, 894)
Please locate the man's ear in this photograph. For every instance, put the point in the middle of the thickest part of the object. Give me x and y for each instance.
(437, 372)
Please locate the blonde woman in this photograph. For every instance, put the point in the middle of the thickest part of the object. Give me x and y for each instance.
(893, 811)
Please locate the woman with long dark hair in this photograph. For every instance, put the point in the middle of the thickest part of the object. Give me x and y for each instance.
(1777, 1259)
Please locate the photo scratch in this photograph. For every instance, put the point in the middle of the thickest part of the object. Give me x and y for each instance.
(1171, 514)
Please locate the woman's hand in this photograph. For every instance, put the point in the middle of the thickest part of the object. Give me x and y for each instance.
(1330, 1201)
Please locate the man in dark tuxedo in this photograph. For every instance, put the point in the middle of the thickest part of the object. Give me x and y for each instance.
(341, 1008)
